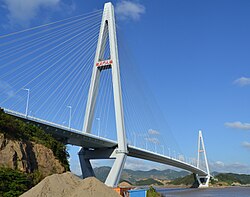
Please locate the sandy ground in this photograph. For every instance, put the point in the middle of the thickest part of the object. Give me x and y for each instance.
(69, 185)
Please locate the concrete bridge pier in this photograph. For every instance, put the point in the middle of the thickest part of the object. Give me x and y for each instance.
(116, 170)
(86, 154)
(203, 181)
(86, 167)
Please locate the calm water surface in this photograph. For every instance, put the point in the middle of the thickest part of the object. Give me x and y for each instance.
(207, 192)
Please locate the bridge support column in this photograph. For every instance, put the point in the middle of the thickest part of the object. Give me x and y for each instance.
(203, 181)
(87, 170)
(116, 170)
(85, 155)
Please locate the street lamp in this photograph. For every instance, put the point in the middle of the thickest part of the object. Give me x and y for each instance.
(99, 125)
(70, 114)
(169, 152)
(163, 149)
(27, 102)
(134, 138)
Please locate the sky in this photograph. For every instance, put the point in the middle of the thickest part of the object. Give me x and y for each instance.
(194, 56)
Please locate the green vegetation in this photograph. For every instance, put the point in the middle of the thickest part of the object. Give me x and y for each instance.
(102, 173)
(13, 183)
(223, 179)
(141, 177)
(149, 181)
(186, 180)
(155, 174)
(230, 178)
(152, 193)
(16, 129)
(134, 175)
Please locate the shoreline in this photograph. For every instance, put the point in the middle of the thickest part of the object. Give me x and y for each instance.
(189, 187)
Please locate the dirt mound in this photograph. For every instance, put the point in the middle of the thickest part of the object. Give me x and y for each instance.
(125, 184)
(68, 185)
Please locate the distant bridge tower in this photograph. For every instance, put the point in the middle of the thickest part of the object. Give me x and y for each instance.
(107, 34)
(202, 180)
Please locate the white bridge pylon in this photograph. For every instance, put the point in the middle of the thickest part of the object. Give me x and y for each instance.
(202, 180)
(107, 34)
(119, 153)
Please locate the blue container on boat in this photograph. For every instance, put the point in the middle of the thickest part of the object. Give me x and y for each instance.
(137, 193)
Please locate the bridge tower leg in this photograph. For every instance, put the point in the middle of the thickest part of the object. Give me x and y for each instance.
(107, 34)
(202, 180)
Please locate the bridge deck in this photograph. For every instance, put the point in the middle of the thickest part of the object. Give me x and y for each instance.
(65, 134)
(152, 156)
(75, 137)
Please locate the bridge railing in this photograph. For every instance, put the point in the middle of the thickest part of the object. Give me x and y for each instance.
(162, 155)
(58, 126)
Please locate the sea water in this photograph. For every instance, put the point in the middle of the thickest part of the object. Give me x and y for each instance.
(206, 192)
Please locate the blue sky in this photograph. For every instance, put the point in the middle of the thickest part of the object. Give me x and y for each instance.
(194, 56)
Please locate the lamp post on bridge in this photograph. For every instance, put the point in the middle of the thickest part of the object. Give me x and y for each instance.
(134, 138)
(146, 143)
(163, 149)
(155, 147)
(99, 126)
(27, 102)
(169, 152)
(70, 115)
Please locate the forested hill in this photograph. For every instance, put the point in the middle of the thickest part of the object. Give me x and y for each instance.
(27, 155)
(14, 129)
(172, 177)
(137, 177)
(220, 179)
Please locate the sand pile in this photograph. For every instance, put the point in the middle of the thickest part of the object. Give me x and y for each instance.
(124, 184)
(68, 185)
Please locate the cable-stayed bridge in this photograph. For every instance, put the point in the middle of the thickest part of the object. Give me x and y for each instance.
(49, 62)
(78, 138)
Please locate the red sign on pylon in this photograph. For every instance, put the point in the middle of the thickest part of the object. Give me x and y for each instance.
(104, 63)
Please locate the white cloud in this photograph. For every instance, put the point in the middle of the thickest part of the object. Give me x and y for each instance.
(153, 140)
(181, 157)
(219, 164)
(153, 132)
(129, 10)
(6, 89)
(238, 125)
(243, 81)
(22, 12)
(246, 144)
(236, 167)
